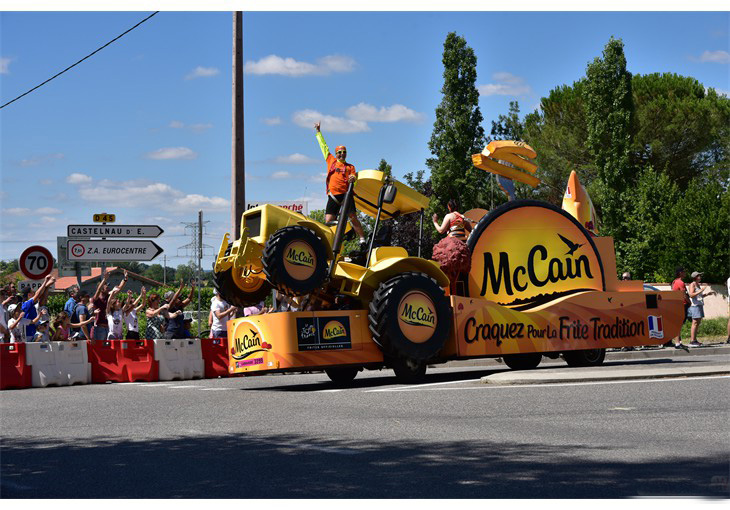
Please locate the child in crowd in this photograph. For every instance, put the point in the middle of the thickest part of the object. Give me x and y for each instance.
(41, 333)
(130, 311)
(114, 319)
(18, 323)
(62, 326)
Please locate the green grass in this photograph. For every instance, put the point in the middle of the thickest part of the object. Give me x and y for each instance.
(710, 331)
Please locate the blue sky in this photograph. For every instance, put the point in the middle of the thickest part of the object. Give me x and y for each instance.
(143, 128)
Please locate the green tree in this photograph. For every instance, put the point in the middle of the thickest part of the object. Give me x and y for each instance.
(558, 132)
(406, 228)
(509, 127)
(385, 167)
(186, 272)
(680, 128)
(609, 117)
(457, 132)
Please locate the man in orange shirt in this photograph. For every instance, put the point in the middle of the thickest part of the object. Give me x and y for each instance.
(679, 285)
(339, 174)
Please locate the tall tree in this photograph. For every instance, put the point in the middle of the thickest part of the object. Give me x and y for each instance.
(609, 116)
(457, 131)
(385, 167)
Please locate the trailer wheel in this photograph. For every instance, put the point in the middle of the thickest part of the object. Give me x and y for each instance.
(295, 260)
(342, 375)
(240, 290)
(408, 371)
(525, 361)
(585, 358)
(410, 317)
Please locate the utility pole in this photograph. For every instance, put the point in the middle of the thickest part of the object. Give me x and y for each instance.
(164, 270)
(238, 180)
(200, 258)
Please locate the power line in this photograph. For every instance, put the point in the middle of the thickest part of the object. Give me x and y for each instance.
(77, 63)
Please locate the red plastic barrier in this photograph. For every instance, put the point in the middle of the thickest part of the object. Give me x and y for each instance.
(123, 361)
(215, 357)
(14, 373)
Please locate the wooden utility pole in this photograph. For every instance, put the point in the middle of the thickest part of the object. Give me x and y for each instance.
(238, 181)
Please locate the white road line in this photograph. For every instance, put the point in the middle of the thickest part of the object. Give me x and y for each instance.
(326, 449)
(419, 386)
(328, 391)
(548, 385)
(217, 389)
(177, 387)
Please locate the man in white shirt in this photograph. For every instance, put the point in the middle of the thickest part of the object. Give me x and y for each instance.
(222, 311)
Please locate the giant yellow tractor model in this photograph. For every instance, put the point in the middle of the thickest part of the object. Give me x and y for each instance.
(540, 284)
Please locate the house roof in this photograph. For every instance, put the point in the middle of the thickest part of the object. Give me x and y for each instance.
(65, 282)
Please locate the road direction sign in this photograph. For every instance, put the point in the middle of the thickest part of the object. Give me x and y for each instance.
(36, 262)
(65, 266)
(114, 231)
(105, 218)
(33, 285)
(107, 251)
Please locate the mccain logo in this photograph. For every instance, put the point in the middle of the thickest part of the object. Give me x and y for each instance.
(526, 253)
(418, 315)
(247, 341)
(333, 330)
(520, 277)
(299, 257)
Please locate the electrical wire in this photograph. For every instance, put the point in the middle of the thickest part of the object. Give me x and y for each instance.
(77, 63)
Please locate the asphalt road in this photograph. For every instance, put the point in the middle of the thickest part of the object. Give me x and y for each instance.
(296, 436)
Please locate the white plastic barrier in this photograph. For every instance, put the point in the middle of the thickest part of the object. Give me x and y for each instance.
(72, 359)
(171, 357)
(194, 367)
(42, 358)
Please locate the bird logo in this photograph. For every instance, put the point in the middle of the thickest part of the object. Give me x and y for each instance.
(571, 245)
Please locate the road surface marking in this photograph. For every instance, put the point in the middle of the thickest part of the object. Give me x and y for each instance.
(177, 387)
(419, 386)
(546, 385)
(215, 389)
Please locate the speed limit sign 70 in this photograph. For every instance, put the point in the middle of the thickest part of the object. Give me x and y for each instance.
(36, 262)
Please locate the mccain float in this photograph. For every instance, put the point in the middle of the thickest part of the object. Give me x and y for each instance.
(541, 283)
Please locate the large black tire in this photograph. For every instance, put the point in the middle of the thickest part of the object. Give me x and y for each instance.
(295, 260)
(585, 358)
(410, 317)
(408, 371)
(341, 375)
(525, 361)
(238, 290)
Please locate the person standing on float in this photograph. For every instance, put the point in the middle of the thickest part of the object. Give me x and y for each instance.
(451, 252)
(340, 174)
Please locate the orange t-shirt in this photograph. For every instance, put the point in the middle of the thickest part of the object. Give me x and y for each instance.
(337, 175)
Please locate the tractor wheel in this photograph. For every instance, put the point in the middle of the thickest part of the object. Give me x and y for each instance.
(295, 260)
(341, 376)
(526, 361)
(585, 358)
(239, 290)
(408, 371)
(410, 317)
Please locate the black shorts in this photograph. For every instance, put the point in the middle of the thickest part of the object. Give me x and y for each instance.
(334, 204)
(132, 335)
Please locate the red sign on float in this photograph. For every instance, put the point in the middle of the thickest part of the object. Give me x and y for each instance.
(36, 262)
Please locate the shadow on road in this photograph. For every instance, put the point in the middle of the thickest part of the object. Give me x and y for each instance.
(285, 466)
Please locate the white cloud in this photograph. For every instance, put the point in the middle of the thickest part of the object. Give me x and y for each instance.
(196, 128)
(307, 119)
(274, 64)
(143, 193)
(37, 160)
(202, 72)
(719, 57)
(507, 85)
(316, 201)
(172, 153)
(24, 211)
(295, 159)
(321, 177)
(4, 65)
(78, 179)
(281, 175)
(272, 121)
(394, 113)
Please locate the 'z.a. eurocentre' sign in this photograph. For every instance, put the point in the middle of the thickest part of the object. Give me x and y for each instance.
(525, 253)
(114, 231)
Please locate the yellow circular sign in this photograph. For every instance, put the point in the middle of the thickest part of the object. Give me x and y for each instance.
(299, 260)
(530, 253)
(417, 317)
(246, 340)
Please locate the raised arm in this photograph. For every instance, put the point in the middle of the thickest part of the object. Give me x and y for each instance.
(188, 299)
(116, 290)
(322, 144)
(141, 299)
(97, 293)
(444, 227)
